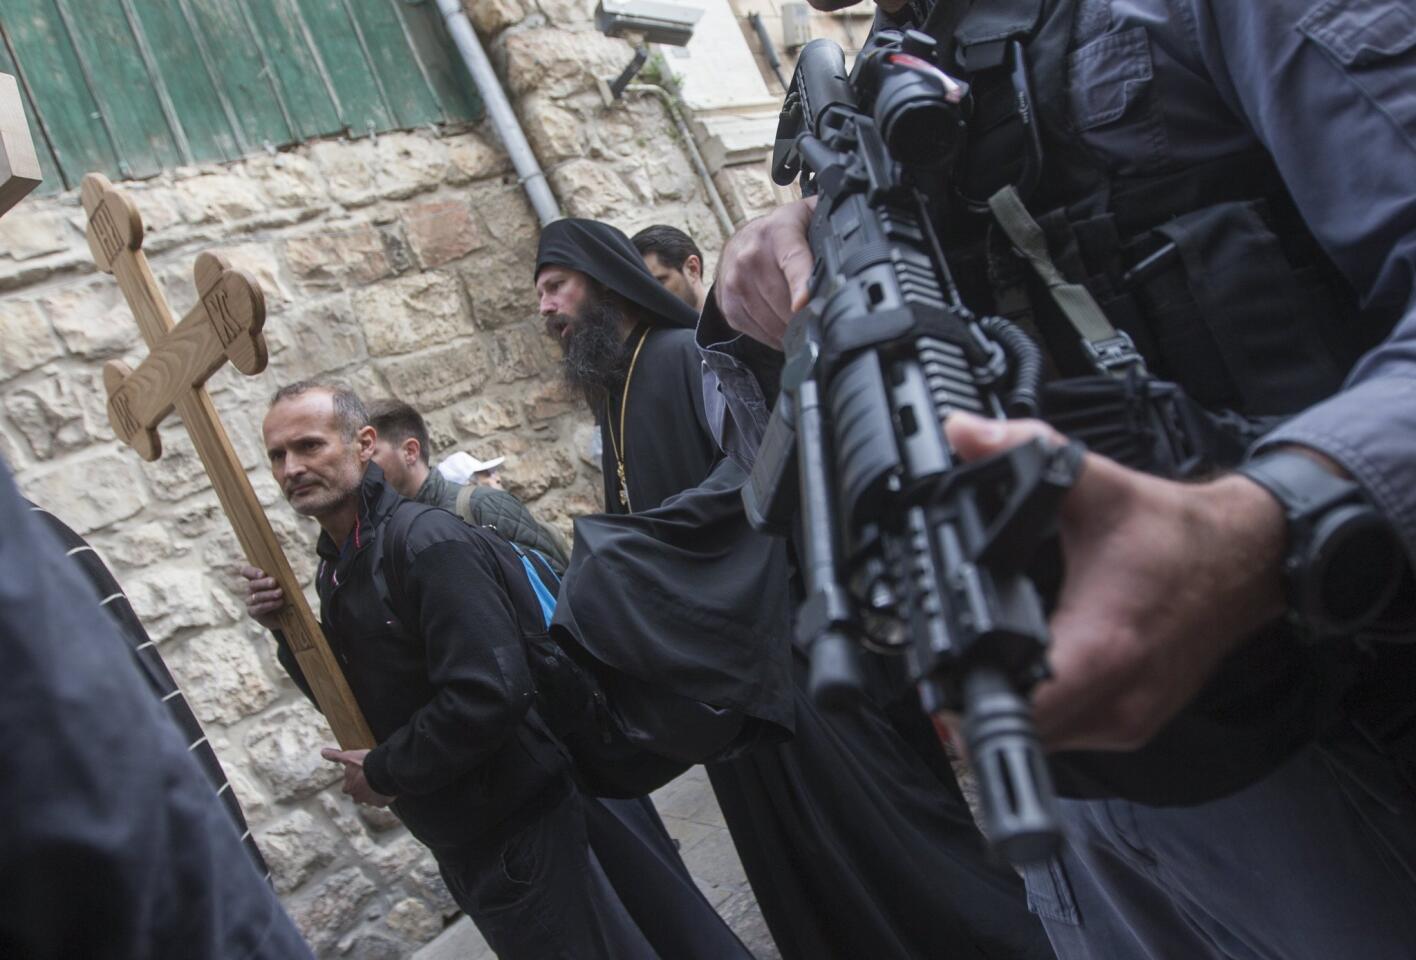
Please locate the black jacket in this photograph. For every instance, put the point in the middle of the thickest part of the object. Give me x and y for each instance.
(439, 670)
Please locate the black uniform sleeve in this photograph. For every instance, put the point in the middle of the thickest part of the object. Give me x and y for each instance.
(113, 843)
(476, 663)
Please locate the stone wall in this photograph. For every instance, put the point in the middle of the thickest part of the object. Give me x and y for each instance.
(400, 264)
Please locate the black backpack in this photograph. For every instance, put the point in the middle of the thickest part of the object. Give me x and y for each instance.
(569, 701)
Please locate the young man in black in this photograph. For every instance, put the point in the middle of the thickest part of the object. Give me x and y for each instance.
(675, 261)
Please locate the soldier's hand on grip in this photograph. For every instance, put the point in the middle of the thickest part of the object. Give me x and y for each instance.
(1162, 580)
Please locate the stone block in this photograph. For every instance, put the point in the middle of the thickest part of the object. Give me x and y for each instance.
(555, 133)
(254, 803)
(90, 493)
(499, 284)
(220, 197)
(195, 519)
(261, 262)
(438, 376)
(222, 676)
(568, 13)
(589, 444)
(427, 881)
(474, 157)
(51, 414)
(92, 319)
(241, 414)
(178, 473)
(409, 164)
(508, 217)
(522, 352)
(590, 189)
(380, 819)
(13, 451)
(142, 545)
(412, 312)
(284, 747)
(348, 168)
(309, 343)
(558, 63)
(531, 476)
(158, 203)
(486, 415)
(173, 598)
(747, 191)
(340, 811)
(330, 259)
(331, 906)
(396, 248)
(295, 848)
(414, 919)
(490, 17)
(442, 231)
(34, 229)
(290, 179)
(396, 859)
(550, 399)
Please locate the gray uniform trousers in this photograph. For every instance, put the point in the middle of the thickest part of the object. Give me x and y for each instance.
(1317, 861)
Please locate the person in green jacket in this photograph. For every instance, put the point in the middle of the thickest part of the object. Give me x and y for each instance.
(402, 452)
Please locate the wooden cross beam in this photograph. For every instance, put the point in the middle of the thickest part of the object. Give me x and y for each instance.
(19, 165)
(225, 324)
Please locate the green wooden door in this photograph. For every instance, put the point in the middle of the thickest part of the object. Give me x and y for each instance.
(132, 87)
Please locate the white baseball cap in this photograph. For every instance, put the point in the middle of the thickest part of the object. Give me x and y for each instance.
(460, 467)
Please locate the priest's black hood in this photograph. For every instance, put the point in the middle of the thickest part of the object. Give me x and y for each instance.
(601, 251)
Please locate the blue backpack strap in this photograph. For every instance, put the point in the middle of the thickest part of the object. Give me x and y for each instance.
(544, 596)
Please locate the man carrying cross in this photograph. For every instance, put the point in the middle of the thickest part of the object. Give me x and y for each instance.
(468, 767)
(428, 617)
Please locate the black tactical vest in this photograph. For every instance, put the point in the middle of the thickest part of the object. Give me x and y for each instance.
(1211, 273)
(1209, 269)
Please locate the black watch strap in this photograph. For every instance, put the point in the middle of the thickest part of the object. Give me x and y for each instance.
(1300, 484)
(1342, 561)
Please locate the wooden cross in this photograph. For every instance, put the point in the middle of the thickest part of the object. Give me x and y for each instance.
(19, 165)
(225, 324)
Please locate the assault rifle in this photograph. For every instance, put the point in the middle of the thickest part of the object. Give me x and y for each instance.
(901, 547)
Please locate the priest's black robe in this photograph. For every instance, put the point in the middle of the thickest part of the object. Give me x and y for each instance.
(854, 835)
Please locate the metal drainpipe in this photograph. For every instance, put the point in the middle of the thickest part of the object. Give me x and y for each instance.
(508, 128)
(715, 200)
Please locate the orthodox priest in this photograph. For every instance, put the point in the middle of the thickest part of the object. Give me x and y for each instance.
(853, 832)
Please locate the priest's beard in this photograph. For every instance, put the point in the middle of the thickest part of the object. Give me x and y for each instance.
(594, 361)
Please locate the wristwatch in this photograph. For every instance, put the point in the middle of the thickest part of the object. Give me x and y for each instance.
(1344, 563)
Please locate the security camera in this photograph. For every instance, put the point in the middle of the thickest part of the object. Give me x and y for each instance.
(653, 21)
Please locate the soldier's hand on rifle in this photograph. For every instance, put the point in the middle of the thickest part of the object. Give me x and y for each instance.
(355, 783)
(264, 598)
(1161, 581)
(764, 271)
